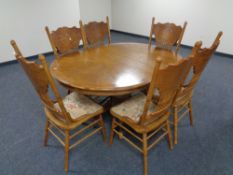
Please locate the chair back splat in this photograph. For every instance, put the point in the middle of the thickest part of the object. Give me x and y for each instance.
(95, 33)
(166, 87)
(167, 35)
(64, 39)
(201, 57)
(42, 80)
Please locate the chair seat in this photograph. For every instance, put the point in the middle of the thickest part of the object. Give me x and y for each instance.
(79, 105)
(132, 108)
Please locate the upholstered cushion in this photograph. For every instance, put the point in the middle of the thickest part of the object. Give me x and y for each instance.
(133, 108)
(78, 105)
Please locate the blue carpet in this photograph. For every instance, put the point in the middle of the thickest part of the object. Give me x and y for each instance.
(204, 149)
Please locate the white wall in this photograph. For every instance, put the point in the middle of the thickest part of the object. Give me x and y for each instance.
(95, 10)
(205, 18)
(24, 21)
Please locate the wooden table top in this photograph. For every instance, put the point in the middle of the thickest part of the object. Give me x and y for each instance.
(111, 70)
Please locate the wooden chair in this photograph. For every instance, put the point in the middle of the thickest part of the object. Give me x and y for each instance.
(94, 33)
(141, 118)
(64, 40)
(62, 115)
(167, 35)
(183, 103)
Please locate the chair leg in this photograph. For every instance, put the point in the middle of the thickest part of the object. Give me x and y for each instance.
(67, 146)
(190, 112)
(103, 128)
(169, 136)
(175, 115)
(112, 131)
(145, 152)
(46, 132)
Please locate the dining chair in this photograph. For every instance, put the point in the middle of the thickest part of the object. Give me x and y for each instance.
(167, 35)
(64, 40)
(144, 120)
(64, 117)
(94, 33)
(183, 103)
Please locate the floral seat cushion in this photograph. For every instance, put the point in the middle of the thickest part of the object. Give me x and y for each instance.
(79, 105)
(133, 107)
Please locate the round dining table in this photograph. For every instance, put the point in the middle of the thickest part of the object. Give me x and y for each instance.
(110, 70)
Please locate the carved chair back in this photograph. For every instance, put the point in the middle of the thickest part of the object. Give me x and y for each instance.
(167, 35)
(166, 81)
(201, 57)
(95, 33)
(64, 39)
(42, 81)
